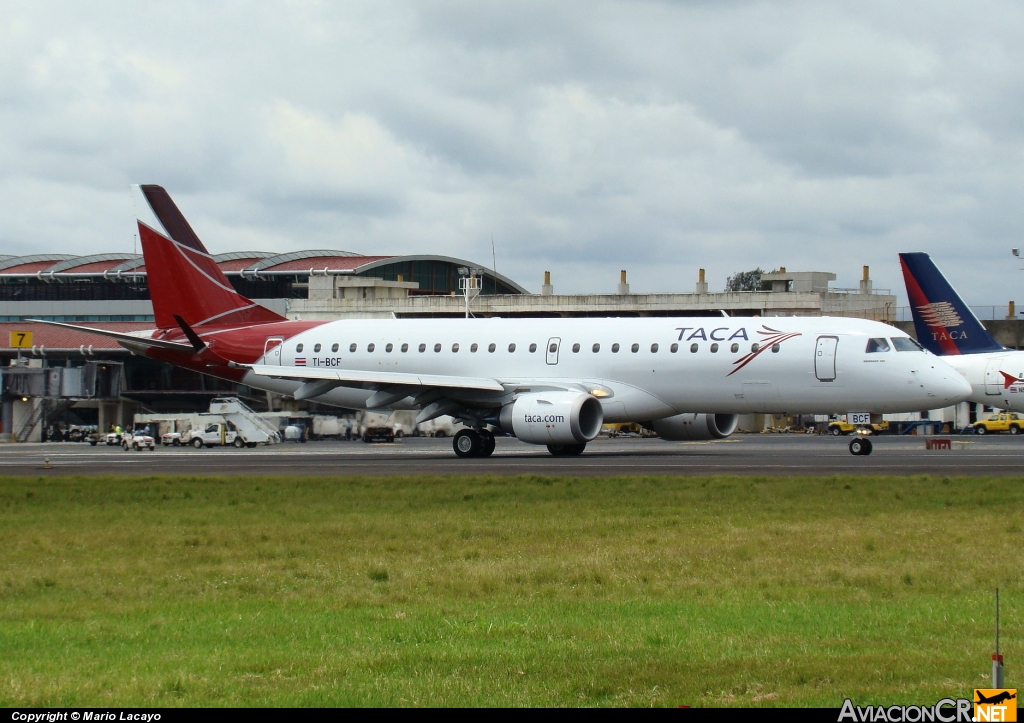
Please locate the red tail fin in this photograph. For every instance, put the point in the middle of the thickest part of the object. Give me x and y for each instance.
(183, 278)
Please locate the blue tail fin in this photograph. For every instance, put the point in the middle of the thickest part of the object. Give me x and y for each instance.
(945, 325)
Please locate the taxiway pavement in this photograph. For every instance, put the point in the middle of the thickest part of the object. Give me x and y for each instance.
(741, 454)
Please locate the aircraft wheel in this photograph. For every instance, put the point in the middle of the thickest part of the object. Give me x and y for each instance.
(980, 430)
(197, 443)
(835, 431)
(239, 443)
(556, 450)
(488, 444)
(467, 443)
(860, 447)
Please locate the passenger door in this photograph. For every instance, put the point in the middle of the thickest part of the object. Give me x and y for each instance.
(993, 379)
(825, 358)
(552, 349)
(272, 350)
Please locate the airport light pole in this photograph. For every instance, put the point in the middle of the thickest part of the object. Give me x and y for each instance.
(469, 282)
(998, 677)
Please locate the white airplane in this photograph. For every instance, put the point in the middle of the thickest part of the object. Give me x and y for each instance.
(947, 327)
(547, 381)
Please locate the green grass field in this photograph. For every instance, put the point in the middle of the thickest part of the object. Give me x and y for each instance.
(504, 591)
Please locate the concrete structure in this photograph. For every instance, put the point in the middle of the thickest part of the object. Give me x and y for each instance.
(358, 289)
(547, 289)
(702, 285)
(801, 281)
(623, 288)
(785, 294)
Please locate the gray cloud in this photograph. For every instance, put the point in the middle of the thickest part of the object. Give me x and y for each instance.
(587, 137)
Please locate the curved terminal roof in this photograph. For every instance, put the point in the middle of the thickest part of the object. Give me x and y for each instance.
(235, 263)
(302, 260)
(31, 264)
(384, 260)
(137, 264)
(317, 263)
(97, 263)
(238, 260)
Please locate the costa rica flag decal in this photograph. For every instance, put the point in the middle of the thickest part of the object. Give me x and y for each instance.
(300, 361)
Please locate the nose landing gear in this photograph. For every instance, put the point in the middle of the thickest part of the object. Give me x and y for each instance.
(473, 443)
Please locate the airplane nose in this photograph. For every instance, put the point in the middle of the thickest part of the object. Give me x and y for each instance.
(947, 384)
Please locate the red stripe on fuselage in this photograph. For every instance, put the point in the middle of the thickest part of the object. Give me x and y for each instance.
(242, 344)
(918, 299)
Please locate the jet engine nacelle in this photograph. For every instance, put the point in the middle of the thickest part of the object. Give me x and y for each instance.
(553, 418)
(695, 426)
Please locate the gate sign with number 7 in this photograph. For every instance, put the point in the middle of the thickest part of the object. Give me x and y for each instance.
(21, 340)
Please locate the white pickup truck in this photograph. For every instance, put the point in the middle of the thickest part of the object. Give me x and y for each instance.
(216, 434)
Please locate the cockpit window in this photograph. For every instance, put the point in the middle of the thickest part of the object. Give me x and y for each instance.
(876, 345)
(905, 343)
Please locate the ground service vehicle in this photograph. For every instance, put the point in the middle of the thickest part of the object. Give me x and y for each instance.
(839, 427)
(138, 442)
(1003, 422)
(378, 434)
(548, 381)
(215, 434)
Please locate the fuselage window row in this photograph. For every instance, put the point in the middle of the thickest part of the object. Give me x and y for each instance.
(553, 348)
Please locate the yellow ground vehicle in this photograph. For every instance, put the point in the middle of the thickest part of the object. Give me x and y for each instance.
(622, 429)
(838, 427)
(1002, 422)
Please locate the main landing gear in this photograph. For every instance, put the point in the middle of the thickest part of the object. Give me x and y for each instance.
(473, 443)
(860, 446)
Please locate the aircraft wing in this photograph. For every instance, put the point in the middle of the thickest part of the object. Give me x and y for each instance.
(347, 377)
(122, 338)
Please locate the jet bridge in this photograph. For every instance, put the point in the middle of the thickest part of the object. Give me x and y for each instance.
(31, 396)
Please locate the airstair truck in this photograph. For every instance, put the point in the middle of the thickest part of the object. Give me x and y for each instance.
(232, 422)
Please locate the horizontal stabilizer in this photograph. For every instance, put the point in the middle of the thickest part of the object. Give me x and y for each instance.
(122, 338)
(349, 376)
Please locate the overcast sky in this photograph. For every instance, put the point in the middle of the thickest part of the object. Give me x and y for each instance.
(587, 137)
